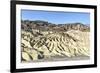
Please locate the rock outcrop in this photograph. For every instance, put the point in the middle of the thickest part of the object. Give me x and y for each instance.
(69, 40)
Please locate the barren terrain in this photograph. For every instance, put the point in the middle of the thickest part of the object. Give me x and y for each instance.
(43, 41)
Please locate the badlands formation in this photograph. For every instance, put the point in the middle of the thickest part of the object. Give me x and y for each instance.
(43, 41)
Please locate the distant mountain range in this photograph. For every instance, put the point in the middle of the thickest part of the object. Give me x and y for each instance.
(47, 26)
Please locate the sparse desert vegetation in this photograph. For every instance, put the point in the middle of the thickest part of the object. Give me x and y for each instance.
(44, 41)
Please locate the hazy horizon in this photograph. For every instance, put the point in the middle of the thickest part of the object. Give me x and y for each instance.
(56, 17)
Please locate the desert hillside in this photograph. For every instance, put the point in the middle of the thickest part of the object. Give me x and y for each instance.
(41, 40)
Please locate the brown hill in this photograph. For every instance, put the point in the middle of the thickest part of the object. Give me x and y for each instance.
(46, 26)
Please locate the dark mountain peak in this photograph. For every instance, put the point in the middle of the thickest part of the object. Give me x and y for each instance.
(41, 21)
(45, 25)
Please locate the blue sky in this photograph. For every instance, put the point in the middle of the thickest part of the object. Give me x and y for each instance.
(56, 17)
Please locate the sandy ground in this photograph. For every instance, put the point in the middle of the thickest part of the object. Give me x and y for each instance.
(58, 58)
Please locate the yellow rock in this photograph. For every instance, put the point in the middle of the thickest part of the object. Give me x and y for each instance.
(25, 56)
